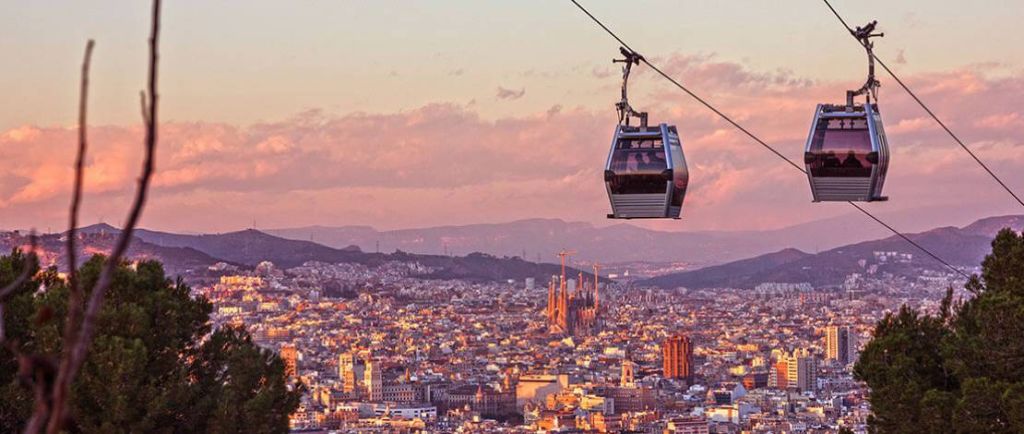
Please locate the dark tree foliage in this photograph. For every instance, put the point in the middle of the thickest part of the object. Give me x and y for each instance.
(959, 371)
(154, 366)
(901, 364)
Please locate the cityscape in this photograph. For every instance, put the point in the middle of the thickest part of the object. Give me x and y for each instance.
(578, 217)
(388, 346)
(567, 356)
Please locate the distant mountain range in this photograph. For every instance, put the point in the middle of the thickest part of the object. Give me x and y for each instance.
(177, 260)
(539, 239)
(186, 254)
(966, 246)
(250, 247)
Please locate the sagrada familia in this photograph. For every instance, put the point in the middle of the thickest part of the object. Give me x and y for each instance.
(573, 311)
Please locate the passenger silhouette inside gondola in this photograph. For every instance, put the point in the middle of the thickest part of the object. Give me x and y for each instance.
(633, 162)
(658, 160)
(830, 160)
(851, 161)
(645, 160)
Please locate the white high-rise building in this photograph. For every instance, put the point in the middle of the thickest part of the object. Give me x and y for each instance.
(840, 344)
(852, 352)
(801, 370)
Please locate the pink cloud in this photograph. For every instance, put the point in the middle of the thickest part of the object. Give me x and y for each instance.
(22, 134)
(444, 163)
(1001, 121)
(914, 125)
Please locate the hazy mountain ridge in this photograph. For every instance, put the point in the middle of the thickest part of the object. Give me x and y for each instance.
(183, 253)
(990, 226)
(619, 243)
(544, 237)
(736, 273)
(966, 246)
(250, 247)
(183, 261)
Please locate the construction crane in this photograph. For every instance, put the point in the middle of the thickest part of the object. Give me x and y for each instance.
(562, 255)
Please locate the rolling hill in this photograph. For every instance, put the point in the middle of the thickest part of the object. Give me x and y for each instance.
(185, 253)
(177, 261)
(733, 274)
(538, 239)
(250, 247)
(963, 247)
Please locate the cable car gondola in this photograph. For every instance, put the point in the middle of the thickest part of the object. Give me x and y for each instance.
(847, 155)
(645, 175)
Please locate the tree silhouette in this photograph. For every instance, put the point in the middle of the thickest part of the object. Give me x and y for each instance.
(154, 366)
(116, 391)
(961, 370)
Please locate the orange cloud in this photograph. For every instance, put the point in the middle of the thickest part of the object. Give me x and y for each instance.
(444, 163)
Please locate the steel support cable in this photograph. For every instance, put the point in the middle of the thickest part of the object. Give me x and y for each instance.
(929, 111)
(758, 140)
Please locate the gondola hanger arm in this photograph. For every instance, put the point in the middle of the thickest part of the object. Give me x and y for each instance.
(870, 87)
(625, 110)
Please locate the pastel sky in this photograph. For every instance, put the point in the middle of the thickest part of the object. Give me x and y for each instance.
(418, 113)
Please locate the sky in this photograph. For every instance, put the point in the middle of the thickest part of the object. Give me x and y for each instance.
(413, 113)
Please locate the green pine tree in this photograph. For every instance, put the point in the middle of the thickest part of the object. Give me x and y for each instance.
(154, 366)
(961, 370)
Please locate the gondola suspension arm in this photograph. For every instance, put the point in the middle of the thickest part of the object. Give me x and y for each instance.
(870, 87)
(625, 110)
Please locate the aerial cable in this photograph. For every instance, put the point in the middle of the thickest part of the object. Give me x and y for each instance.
(757, 139)
(908, 240)
(922, 104)
(684, 89)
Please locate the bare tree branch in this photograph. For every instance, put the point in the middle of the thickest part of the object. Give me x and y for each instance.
(72, 361)
(75, 292)
(34, 370)
(76, 196)
(142, 104)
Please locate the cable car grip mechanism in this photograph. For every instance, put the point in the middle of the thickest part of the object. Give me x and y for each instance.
(870, 87)
(625, 110)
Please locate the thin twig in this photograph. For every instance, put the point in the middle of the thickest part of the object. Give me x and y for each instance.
(75, 293)
(72, 362)
(3, 332)
(38, 381)
(76, 197)
(142, 106)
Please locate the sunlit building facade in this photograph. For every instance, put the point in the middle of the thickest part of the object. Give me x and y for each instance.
(677, 358)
